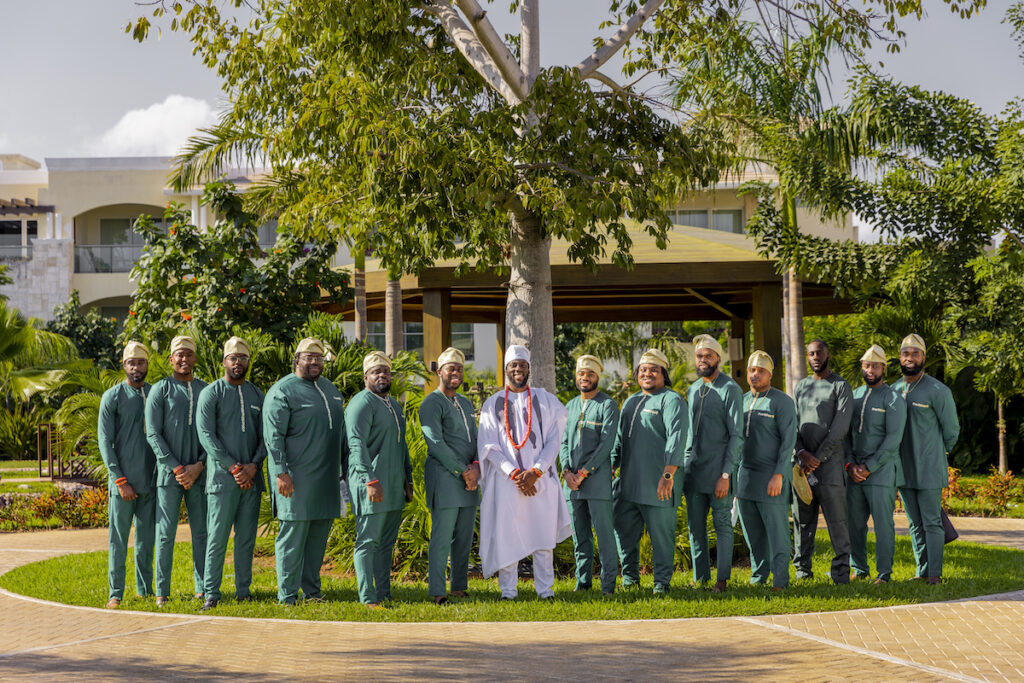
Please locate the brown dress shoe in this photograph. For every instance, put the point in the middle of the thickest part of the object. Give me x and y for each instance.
(459, 594)
(720, 587)
(879, 582)
(933, 580)
(162, 601)
(113, 603)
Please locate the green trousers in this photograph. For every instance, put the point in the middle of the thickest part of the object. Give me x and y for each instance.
(168, 502)
(299, 554)
(451, 535)
(592, 517)
(924, 512)
(697, 507)
(630, 520)
(230, 507)
(766, 528)
(878, 503)
(121, 512)
(375, 545)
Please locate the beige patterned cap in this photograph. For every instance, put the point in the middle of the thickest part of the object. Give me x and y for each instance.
(310, 345)
(760, 359)
(375, 359)
(183, 342)
(706, 341)
(236, 345)
(654, 357)
(589, 362)
(876, 354)
(913, 341)
(135, 350)
(451, 355)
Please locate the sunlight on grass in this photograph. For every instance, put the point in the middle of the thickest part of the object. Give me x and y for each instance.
(971, 570)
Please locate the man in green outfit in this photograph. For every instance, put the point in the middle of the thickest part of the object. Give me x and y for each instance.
(304, 434)
(932, 430)
(872, 466)
(451, 474)
(132, 474)
(231, 432)
(823, 406)
(763, 480)
(379, 477)
(181, 465)
(710, 461)
(585, 460)
(649, 445)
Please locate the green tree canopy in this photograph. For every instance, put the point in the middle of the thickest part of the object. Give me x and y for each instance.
(215, 280)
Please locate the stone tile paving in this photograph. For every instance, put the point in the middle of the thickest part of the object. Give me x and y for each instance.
(968, 640)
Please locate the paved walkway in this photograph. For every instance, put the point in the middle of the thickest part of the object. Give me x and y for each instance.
(972, 640)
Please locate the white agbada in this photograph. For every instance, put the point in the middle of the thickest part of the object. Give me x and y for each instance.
(513, 526)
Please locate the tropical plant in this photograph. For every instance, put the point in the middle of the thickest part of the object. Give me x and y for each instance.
(214, 280)
(93, 335)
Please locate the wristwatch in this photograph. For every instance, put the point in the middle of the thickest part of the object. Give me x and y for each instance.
(725, 475)
(667, 475)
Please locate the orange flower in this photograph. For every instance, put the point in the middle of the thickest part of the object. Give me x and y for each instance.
(219, 310)
(173, 232)
(186, 316)
(242, 290)
(132, 313)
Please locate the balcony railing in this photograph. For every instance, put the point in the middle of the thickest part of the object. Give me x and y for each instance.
(14, 251)
(102, 258)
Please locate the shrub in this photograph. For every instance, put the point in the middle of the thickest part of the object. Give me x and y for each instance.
(997, 491)
(18, 431)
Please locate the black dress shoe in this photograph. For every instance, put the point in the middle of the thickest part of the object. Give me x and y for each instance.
(209, 604)
(244, 598)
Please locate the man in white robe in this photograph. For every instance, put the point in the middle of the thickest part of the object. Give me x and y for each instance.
(523, 511)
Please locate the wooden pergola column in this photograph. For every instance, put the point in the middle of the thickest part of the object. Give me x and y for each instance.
(738, 345)
(437, 328)
(767, 319)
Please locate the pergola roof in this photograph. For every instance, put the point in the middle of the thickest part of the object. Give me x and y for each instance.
(702, 274)
(27, 206)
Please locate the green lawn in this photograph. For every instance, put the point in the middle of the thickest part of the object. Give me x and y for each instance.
(971, 570)
(10, 464)
(33, 487)
(33, 473)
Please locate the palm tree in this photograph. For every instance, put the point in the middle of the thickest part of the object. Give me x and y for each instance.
(764, 92)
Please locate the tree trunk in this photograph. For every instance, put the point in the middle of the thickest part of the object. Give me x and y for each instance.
(359, 285)
(529, 315)
(796, 364)
(1001, 425)
(786, 359)
(796, 327)
(394, 333)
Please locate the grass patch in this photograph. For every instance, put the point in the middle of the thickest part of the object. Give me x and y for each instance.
(33, 487)
(970, 570)
(20, 474)
(13, 464)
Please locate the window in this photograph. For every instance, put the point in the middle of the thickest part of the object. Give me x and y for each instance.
(376, 337)
(462, 338)
(728, 220)
(119, 313)
(267, 233)
(116, 231)
(694, 219)
(10, 233)
(32, 228)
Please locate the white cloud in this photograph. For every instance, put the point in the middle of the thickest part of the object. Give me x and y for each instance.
(158, 130)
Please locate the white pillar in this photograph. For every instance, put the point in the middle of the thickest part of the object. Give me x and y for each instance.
(48, 227)
(195, 211)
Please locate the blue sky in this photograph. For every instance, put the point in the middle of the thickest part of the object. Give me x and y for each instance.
(77, 85)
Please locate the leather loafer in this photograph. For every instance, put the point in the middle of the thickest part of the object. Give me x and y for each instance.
(720, 587)
(209, 604)
(162, 601)
(933, 580)
(113, 603)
